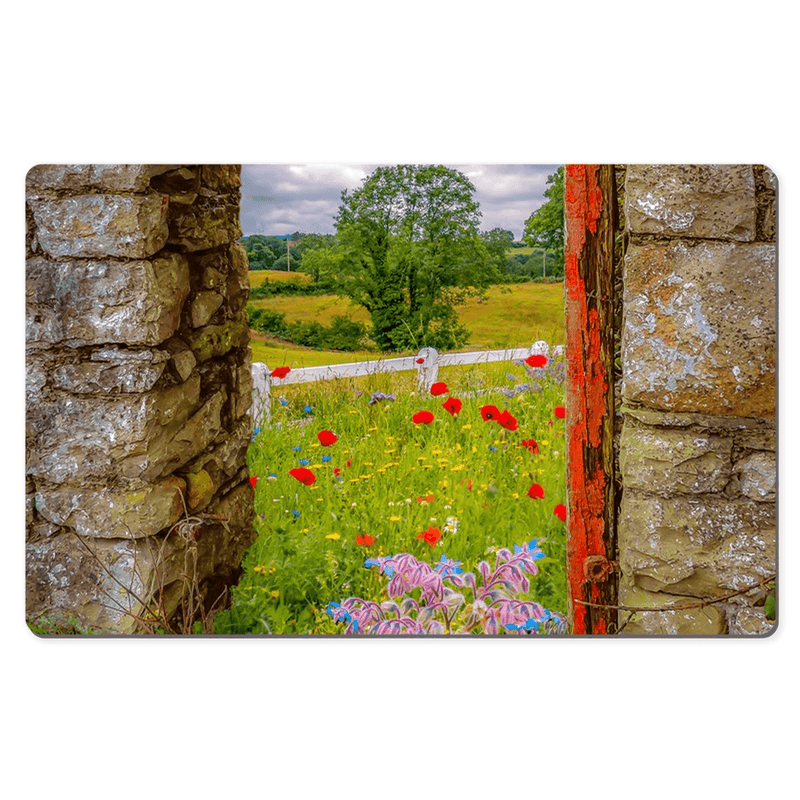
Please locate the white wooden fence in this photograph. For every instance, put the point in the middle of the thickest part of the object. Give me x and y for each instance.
(427, 364)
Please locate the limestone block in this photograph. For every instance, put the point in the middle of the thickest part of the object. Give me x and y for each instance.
(213, 341)
(670, 462)
(221, 178)
(702, 201)
(112, 513)
(114, 177)
(707, 621)
(213, 279)
(180, 185)
(94, 302)
(757, 474)
(85, 439)
(98, 586)
(101, 225)
(203, 226)
(244, 388)
(203, 307)
(749, 621)
(224, 548)
(112, 370)
(238, 283)
(700, 547)
(227, 458)
(699, 328)
(175, 448)
(200, 490)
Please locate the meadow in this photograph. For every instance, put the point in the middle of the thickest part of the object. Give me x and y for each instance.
(466, 482)
(505, 316)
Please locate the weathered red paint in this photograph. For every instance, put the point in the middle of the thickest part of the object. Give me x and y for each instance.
(587, 407)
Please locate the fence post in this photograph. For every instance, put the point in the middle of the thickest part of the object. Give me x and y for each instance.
(591, 528)
(261, 410)
(427, 368)
(540, 348)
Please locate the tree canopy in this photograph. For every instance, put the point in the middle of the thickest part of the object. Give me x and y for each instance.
(407, 248)
(545, 227)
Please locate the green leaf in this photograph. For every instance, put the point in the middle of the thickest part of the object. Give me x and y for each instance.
(769, 607)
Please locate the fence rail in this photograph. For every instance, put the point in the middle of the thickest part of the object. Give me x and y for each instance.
(426, 362)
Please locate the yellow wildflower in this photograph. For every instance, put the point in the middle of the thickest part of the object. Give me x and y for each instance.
(260, 569)
(275, 594)
(334, 537)
(395, 519)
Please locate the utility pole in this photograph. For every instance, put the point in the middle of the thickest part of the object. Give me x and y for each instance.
(288, 257)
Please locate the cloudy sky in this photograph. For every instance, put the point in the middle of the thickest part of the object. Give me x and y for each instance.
(283, 198)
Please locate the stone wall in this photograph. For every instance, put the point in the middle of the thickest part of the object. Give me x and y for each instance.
(697, 446)
(138, 390)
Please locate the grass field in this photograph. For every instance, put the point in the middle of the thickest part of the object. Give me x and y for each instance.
(456, 487)
(506, 316)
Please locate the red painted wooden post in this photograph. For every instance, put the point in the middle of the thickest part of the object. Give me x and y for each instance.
(588, 266)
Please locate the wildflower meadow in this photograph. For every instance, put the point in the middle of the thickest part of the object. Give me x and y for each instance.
(384, 509)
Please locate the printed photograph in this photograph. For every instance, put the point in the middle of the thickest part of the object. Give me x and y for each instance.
(390, 399)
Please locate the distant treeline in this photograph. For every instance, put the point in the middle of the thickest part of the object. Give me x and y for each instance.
(272, 253)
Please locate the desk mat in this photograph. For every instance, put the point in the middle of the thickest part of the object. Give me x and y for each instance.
(342, 399)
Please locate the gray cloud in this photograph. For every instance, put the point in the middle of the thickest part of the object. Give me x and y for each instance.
(283, 198)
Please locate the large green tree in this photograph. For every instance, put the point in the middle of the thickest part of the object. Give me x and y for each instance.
(408, 249)
(545, 227)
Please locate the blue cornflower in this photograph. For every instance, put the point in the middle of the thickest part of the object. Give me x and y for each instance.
(307, 409)
(530, 548)
(295, 513)
(304, 462)
(529, 625)
(380, 563)
(447, 566)
(492, 448)
(326, 458)
(297, 449)
(283, 401)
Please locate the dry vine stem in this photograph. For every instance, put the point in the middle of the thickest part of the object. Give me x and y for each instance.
(151, 619)
(680, 607)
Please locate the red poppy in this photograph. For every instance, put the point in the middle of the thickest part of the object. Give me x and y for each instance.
(420, 361)
(536, 361)
(507, 421)
(423, 417)
(561, 512)
(326, 438)
(490, 413)
(348, 463)
(280, 372)
(253, 481)
(531, 445)
(429, 498)
(305, 476)
(452, 405)
(439, 388)
(337, 470)
(431, 536)
(364, 539)
(468, 482)
(536, 492)
(560, 412)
